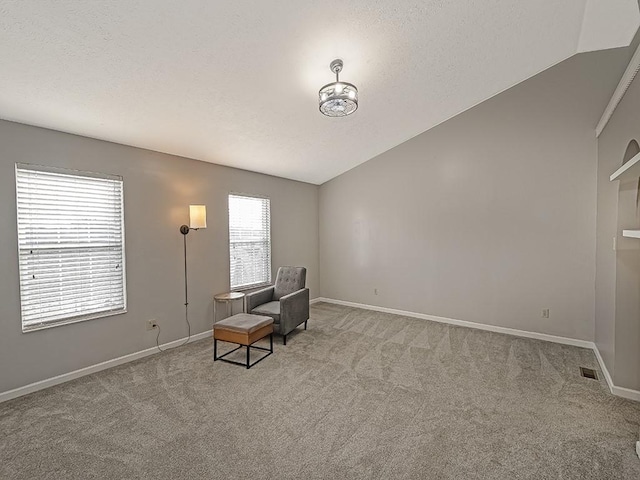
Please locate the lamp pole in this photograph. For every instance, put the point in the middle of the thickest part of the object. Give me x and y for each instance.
(184, 230)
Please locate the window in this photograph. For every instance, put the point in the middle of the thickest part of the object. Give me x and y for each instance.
(249, 241)
(71, 246)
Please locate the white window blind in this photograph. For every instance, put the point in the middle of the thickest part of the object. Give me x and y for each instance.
(249, 241)
(71, 245)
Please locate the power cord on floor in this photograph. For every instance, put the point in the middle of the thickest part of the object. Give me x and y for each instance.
(186, 318)
(158, 338)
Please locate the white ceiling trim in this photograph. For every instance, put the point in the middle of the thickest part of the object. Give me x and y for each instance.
(625, 82)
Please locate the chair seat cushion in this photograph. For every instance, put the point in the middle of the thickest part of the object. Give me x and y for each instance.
(243, 323)
(271, 309)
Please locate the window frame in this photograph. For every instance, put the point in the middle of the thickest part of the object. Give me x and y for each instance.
(251, 286)
(84, 317)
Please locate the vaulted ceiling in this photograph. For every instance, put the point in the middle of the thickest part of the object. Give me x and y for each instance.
(236, 83)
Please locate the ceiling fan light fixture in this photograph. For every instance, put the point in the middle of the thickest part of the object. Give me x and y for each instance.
(338, 99)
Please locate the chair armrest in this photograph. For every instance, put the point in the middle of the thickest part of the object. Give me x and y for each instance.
(258, 297)
(294, 310)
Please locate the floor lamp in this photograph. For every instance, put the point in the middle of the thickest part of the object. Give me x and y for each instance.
(197, 220)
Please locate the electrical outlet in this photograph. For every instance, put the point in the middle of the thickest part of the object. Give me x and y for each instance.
(545, 313)
(151, 324)
(375, 291)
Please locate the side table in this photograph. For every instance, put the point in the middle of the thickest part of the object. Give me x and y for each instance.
(227, 298)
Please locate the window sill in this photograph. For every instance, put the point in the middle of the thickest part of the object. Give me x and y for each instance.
(248, 288)
(59, 323)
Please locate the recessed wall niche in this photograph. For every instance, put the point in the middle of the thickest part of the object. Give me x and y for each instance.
(629, 194)
(627, 311)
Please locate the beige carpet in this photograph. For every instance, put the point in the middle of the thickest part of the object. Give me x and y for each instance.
(359, 395)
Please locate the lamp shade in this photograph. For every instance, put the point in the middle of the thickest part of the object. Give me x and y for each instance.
(197, 216)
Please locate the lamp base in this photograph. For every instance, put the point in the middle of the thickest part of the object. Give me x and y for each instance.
(184, 229)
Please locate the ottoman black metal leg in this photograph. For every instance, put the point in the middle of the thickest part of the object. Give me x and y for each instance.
(284, 339)
(244, 330)
(305, 324)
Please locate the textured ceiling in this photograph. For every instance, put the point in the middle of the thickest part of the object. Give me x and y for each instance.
(236, 83)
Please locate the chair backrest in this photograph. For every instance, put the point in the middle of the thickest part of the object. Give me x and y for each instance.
(289, 280)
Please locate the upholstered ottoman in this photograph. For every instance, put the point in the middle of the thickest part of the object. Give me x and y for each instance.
(243, 329)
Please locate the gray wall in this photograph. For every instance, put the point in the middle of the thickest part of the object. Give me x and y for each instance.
(489, 217)
(158, 191)
(618, 272)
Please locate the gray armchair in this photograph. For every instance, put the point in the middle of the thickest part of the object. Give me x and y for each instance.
(287, 302)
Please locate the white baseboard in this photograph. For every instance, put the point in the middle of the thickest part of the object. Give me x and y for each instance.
(625, 393)
(463, 323)
(50, 382)
(615, 390)
(603, 367)
(65, 377)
